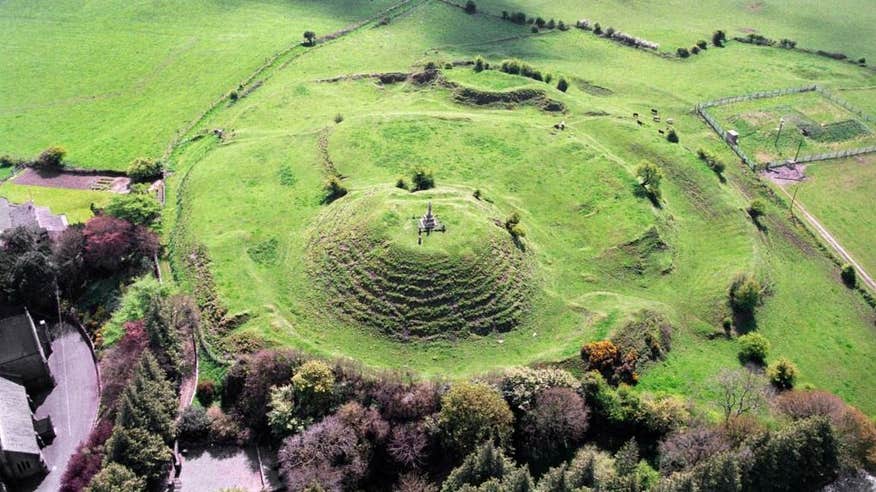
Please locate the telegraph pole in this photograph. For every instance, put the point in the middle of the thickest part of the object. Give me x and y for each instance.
(779, 133)
(794, 198)
(798, 150)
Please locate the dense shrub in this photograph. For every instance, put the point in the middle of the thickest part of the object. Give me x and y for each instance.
(487, 468)
(855, 432)
(687, 448)
(695, 50)
(615, 365)
(116, 367)
(757, 208)
(223, 428)
(480, 64)
(334, 189)
(672, 136)
(682, 52)
(701, 44)
(137, 208)
(472, 413)
(590, 469)
(113, 244)
(206, 392)
(782, 373)
(423, 179)
(248, 383)
(650, 176)
(313, 385)
(753, 347)
(149, 401)
(470, 7)
(51, 159)
(562, 84)
(144, 453)
(849, 275)
(400, 402)
(309, 38)
(555, 425)
(745, 293)
(513, 226)
(194, 424)
(719, 38)
(142, 169)
(597, 29)
(412, 482)
(408, 445)
(334, 454)
(114, 478)
(521, 385)
(87, 460)
(801, 456)
(27, 269)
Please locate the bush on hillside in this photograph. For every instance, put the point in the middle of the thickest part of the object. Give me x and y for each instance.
(745, 293)
(470, 7)
(719, 38)
(562, 84)
(309, 38)
(849, 275)
(672, 136)
(51, 159)
(471, 414)
(701, 44)
(334, 189)
(480, 64)
(782, 373)
(682, 52)
(757, 208)
(753, 347)
(423, 179)
(650, 177)
(142, 170)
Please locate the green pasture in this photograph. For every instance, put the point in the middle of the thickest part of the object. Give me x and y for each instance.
(602, 253)
(841, 194)
(847, 27)
(111, 81)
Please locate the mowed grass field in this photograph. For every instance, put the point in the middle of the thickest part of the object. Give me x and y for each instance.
(76, 204)
(111, 81)
(602, 253)
(841, 194)
(847, 27)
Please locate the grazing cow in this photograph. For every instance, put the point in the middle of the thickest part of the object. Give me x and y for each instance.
(636, 115)
(661, 132)
(653, 111)
(640, 122)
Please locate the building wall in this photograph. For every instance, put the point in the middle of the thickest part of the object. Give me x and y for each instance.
(15, 466)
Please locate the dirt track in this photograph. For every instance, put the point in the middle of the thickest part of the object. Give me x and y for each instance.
(834, 243)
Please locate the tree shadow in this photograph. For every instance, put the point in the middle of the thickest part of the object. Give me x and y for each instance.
(744, 322)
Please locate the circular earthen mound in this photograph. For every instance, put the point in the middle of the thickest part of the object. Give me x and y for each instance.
(365, 259)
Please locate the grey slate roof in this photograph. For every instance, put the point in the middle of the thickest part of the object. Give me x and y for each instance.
(28, 214)
(16, 421)
(17, 338)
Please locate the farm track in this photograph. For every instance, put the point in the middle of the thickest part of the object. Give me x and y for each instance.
(833, 242)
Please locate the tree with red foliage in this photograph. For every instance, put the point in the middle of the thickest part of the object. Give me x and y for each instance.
(88, 458)
(555, 425)
(117, 364)
(111, 243)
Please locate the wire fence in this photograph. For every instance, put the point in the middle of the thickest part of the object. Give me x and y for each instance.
(702, 110)
(839, 154)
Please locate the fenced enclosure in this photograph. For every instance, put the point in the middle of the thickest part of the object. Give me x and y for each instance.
(702, 110)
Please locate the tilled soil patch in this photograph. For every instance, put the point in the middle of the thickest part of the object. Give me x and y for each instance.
(74, 180)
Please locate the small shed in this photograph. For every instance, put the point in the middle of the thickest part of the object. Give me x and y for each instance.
(732, 137)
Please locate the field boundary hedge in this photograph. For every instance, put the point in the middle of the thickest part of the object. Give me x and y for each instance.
(702, 110)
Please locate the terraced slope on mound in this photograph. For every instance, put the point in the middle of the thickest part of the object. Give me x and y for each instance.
(366, 260)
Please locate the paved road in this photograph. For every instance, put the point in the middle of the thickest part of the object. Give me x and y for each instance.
(72, 403)
(832, 241)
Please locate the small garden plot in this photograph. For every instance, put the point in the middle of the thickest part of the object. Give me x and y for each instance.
(74, 180)
(776, 128)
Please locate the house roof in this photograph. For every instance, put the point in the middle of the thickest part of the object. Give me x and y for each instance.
(16, 420)
(17, 338)
(28, 214)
